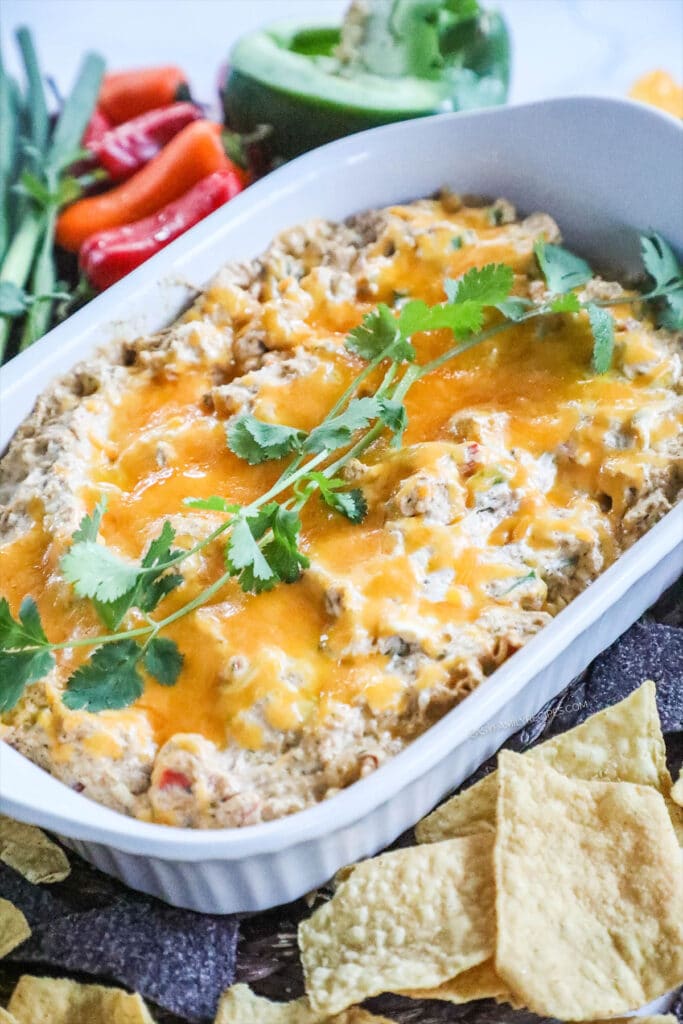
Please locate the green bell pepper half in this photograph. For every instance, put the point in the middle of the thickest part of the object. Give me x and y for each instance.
(390, 60)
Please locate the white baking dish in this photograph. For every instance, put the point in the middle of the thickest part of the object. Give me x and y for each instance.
(602, 168)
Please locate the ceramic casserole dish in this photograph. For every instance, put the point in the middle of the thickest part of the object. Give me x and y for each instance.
(603, 169)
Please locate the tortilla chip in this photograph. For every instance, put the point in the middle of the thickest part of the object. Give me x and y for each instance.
(677, 790)
(659, 1018)
(589, 892)
(239, 1005)
(59, 1001)
(30, 852)
(480, 982)
(14, 928)
(7, 1018)
(412, 918)
(623, 743)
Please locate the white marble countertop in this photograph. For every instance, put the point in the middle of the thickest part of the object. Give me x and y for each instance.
(561, 46)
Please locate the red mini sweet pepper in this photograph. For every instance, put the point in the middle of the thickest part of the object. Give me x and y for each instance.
(123, 150)
(97, 127)
(108, 256)
(126, 94)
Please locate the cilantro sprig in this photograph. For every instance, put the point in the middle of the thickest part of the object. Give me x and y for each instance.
(262, 541)
(666, 272)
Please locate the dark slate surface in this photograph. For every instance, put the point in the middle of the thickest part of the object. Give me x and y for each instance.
(91, 925)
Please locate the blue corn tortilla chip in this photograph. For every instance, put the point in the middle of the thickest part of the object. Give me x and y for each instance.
(92, 924)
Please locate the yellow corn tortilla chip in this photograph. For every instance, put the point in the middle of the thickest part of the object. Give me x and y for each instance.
(6, 1018)
(589, 892)
(14, 928)
(623, 743)
(659, 1018)
(677, 790)
(239, 1005)
(30, 852)
(411, 918)
(480, 982)
(60, 1001)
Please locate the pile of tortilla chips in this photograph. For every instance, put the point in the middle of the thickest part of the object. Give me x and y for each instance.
(62, 1001)
(555, 884)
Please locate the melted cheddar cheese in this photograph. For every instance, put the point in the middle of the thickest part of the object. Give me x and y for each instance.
(522, 476)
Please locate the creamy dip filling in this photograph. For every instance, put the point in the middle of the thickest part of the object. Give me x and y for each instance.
(521, 477)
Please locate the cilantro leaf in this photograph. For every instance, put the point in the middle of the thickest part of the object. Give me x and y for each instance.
(109, 680)
(17, 670)
(394, 415)
(260, 521)
(338, 431)
(244, 558)
(96, 571)
(378, 332)
(20, 662)
(663, 266)
(486, 285)
(163, 660)
(463, 314)
(112, 613)
(602, 326)
(462, 318)
(257, 441)
(671, 316)
(351, 504)
(567, 303)
(114, 584)
(90, 525)
(660, 260)
(260, 568)
(212, 504)
(561, 269)
(25, 631)
(152, 587)
(282, 552)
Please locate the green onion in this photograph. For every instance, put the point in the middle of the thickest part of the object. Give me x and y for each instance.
(35, 95)
(34, 185)
(73, 120)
